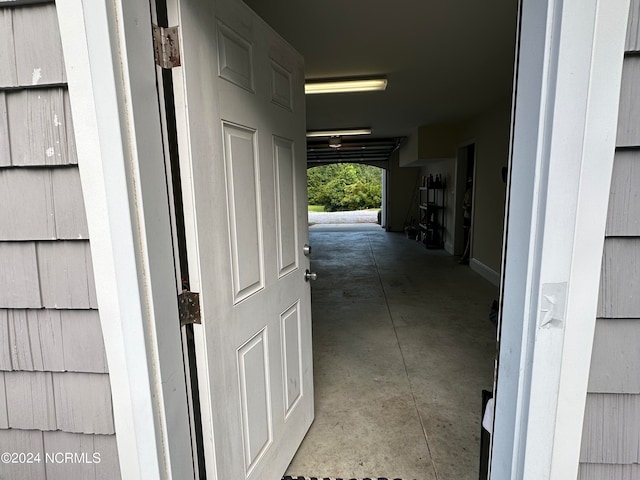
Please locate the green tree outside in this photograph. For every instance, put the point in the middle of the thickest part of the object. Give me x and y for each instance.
(345, 186)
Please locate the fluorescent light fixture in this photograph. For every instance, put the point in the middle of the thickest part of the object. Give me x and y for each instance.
(338, 133)
(345, 86)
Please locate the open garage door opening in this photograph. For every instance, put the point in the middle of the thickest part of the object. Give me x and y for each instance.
(345, 193)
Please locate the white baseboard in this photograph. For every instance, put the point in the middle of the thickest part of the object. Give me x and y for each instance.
(485, 272)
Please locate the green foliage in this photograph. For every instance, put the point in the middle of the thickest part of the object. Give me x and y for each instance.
(345, 186)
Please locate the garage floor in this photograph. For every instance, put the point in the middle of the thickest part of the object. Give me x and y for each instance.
(403, 347)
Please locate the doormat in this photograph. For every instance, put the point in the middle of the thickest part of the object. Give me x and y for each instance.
(288, 477)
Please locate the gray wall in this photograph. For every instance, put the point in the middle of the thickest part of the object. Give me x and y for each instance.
(611, 432)
(54, 386)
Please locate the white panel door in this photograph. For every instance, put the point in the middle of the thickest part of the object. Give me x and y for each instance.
(241, 122)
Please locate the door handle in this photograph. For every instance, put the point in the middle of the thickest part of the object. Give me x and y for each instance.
(308, 275)
(306, 250)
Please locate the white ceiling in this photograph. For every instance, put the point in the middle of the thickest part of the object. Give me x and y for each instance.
(446, 60)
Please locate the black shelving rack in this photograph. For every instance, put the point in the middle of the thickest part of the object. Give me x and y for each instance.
(432, 213)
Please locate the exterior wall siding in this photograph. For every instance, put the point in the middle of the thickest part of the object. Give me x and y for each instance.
(55, 396)
(611, 431)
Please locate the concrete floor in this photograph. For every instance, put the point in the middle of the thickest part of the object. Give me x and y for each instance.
(402, 349)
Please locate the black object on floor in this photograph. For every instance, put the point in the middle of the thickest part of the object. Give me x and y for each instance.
(493, 313)
(485, 439)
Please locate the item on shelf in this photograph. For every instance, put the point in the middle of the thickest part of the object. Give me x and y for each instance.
(431, 209)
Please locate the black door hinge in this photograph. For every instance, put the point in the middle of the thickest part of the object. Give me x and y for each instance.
(189, 307)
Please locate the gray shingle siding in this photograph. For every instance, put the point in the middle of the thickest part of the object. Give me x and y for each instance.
(616, 357)
(620, 278)
(55, 395)
(628, 125)
(55, 443)
(41, 204)
(56, 274)
(623, 218)
(41, 130)
(609, 472)
(611, 432)
(50, 340)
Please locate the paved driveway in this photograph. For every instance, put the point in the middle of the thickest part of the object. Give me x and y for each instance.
(356, 216)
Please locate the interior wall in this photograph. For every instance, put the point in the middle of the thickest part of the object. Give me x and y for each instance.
(402, 199)
(490, 134)
(408, 153)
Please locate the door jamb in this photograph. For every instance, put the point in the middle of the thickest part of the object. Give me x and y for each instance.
(563, 133)
(112, 84)
(464, 146)
(458, 222)
(166, 98)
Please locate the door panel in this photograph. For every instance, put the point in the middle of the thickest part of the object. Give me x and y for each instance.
(243, 164)
(243, 204)
(253, 362)
(287, 224)
(235, 62)
(281, 85)
(292, 355)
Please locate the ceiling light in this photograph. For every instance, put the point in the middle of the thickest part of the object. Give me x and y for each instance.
(345, 86)
(335, 142)
(338, 133)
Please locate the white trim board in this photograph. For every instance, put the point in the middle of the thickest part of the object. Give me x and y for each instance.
(485, 272)
(114, 102)
(568, 84)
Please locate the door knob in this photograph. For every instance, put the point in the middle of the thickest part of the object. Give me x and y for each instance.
(310, 275)
(306, 250)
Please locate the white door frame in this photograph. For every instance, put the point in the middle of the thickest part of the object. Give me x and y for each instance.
(111, 75)
(563, 141)
(567, 95)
